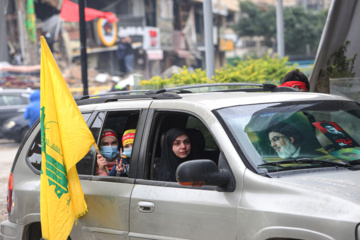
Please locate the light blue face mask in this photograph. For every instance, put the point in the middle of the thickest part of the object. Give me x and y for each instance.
(109, 152)
(127, 152)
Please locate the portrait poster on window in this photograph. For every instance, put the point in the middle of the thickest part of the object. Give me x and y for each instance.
(337, 135)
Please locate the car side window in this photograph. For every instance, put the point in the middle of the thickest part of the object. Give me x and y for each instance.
(15, 100)
(199, 134)
(34, 153)
(211, 149)
(86, 165)
(122, 125)
(2, 101)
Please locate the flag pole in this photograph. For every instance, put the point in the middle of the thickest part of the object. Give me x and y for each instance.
(82, 26)
(98, 152)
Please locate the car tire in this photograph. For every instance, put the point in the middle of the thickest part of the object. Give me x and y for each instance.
(34, 232)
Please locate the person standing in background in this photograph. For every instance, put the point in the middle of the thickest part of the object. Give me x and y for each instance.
(129, 56)
(120, 54)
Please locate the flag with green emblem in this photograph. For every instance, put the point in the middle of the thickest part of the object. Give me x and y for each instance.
(30, 20)
(65, 139)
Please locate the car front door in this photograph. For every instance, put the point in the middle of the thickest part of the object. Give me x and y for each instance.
(167, 210)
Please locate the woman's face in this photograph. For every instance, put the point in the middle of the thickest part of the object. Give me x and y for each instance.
(181, 146)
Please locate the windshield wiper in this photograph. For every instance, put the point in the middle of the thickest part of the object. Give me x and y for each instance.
(354, 162)
(306, 160)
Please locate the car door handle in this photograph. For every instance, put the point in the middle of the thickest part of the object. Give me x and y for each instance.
(145, 207)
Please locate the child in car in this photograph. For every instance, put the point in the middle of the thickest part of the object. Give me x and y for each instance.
(122, 165)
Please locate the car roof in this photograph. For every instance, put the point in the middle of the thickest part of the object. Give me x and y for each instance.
(225, 99)
(211, 100)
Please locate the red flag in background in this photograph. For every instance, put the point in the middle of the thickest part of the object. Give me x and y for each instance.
(70, 13)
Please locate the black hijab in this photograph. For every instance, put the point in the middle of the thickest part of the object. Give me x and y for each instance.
(169, 161)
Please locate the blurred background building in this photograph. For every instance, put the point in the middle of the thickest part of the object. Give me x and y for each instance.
(164, 34)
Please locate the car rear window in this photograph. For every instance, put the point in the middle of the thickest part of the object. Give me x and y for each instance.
(34, 153)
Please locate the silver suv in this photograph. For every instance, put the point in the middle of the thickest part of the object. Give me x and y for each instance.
(276, 165)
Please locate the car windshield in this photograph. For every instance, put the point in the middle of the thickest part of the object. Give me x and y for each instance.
(278, 137)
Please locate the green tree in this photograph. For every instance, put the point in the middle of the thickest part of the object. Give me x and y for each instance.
(262, 70)
(257, 21)
(300, 27)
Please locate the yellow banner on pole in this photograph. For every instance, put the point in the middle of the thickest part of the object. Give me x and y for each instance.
(65, 139)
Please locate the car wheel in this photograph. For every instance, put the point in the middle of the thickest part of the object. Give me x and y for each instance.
(34, 232)
(22, 135)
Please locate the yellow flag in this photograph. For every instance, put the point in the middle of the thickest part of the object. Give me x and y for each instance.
(65, 139)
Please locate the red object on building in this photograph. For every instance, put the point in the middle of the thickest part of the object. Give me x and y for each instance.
(70, 13)
(153, 33)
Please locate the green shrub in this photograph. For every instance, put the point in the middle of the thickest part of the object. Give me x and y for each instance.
(263, 70)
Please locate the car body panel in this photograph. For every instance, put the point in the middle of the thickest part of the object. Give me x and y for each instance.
(298, 201)
(108, 210)
(27, 186)
(182, 213)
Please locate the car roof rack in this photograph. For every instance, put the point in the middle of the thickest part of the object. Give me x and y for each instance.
(118, 95)
(256, 88)
(172, 93)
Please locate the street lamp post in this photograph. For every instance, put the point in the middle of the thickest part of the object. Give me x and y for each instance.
(280, 28)
(209, 46)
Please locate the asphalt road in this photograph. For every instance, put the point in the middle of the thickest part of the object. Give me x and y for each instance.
(8, 150)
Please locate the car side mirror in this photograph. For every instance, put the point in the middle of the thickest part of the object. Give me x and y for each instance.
(201, 172)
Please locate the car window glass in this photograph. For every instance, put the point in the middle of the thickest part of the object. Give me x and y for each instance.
(86, 116)
(119, 122)
(203, 145)
(281, 132)
(14, 100)
(34, 154)
(86, 165)
(2, 101)
(195, 123)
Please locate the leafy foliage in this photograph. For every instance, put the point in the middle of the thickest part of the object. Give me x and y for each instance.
(264, 70)
(341, 66)
(338, 66)
(257, 21)
(300, 27)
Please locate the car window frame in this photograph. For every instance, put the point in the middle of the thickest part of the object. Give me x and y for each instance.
(136, 148)
(145, 155)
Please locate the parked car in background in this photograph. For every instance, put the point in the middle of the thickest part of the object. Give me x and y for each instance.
(15, 128)
(13, 103)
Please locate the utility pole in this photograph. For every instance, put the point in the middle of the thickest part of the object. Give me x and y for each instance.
(29, 48)
(209, 45)
(3, 36)
(304, 2)
(82, 26)
(280, 28)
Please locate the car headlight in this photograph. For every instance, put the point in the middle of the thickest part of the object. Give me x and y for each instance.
(10, 124)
